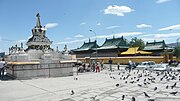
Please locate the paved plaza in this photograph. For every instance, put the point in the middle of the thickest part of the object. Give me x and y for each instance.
(119, 85)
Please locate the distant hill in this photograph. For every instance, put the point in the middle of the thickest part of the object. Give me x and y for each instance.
(173, 44)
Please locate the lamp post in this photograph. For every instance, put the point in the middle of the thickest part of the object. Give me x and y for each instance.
(178, 40)
(96, 40)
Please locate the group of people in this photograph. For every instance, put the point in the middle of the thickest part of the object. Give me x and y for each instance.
(95, 67)
(2, 68)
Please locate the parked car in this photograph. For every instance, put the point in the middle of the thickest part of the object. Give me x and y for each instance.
(177, 68)
(131, 65)
(162, 67)
(147, 65)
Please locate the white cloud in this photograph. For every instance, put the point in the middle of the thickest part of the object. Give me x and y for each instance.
(143, 26)
(166, 35)
(102, 37)
(151, 37)
(162, 1)
(79, 36)
(110, 27)
(73, 41)
(19, 41)
(51, 25)
(1, 50)
(128, 34)
(82, 23)
(174, 27)
(117, 10)
(98, 24)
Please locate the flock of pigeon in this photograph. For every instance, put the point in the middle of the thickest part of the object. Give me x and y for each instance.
(144, 78)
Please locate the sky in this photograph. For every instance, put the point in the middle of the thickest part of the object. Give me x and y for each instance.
(69, 21)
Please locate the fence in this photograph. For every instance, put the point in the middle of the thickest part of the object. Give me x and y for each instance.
(124, 60)
(28, 71)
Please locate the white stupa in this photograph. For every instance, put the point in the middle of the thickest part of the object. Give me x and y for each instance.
(38, 50)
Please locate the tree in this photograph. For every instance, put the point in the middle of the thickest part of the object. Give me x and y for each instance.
(177, 51)
(135, 42)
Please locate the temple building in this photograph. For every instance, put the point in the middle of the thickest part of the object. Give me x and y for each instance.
(157, 48)
(110, 48)
(88, 49)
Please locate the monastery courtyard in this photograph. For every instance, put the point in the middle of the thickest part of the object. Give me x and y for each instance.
(91, 86)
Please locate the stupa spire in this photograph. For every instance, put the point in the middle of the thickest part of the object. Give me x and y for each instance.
(38, 23)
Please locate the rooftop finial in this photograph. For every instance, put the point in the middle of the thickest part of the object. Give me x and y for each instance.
(38, 24)
(113, 37)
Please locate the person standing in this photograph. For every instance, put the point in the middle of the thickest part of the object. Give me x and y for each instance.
(2, 68)
(97, 68)
(118, 66)
(110, 64)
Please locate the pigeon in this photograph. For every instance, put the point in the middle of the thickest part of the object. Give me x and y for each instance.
(146, 95)
(72, 92)
(161, 79)
(174, 93)
(174, 84)
(167, 87)
(117, 85)
(131, 82)
(148, 83)
(75, 78)
(139, 85)
(155, 88)
(133, 99)
(152, 81)
(123, 96)
(94, 98)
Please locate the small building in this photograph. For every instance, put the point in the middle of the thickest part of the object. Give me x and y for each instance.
(134, 51)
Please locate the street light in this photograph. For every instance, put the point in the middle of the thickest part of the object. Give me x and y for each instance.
(96, 40)
(178, 40)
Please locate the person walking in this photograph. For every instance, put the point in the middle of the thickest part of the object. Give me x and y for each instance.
(2, 68)
(110, 64)
(97, 68)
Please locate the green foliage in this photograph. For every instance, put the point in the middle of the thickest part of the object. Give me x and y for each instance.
(135, 42)
(177, 51)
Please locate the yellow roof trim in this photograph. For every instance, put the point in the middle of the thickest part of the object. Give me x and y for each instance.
(19, 63)
(134, 50)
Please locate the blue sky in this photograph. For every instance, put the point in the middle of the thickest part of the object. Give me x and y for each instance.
(69, 21)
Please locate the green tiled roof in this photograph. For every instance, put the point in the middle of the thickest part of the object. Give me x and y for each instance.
(87, 46)
(114, 43)
(155, 45)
